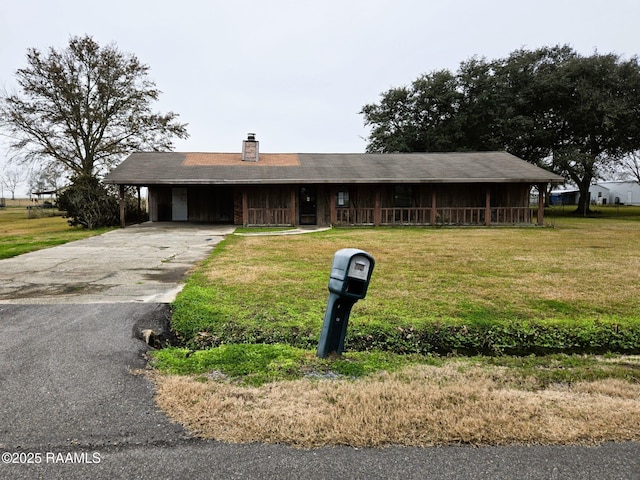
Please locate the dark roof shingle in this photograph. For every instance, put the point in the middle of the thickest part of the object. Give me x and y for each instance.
(157, 168)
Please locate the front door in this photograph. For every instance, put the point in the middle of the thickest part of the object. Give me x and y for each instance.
(308, 206)
(179, 205)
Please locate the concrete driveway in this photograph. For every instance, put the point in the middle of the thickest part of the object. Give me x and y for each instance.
(142, 263)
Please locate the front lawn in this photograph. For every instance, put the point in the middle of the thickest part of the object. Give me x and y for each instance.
(573, 288)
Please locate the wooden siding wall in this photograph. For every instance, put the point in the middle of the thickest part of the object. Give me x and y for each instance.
(160, 204)
(369, 204)
(507, 195)
(325, 194)
(211, 204)
(455, 204)
(271, 205)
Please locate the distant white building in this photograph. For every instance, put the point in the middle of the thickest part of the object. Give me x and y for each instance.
(602, 193)
(615, 193)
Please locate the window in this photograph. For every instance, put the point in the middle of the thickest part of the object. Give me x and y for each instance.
(342, 199)
(403, 196)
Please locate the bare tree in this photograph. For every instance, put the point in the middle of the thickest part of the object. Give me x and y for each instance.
(46, 179)
(84, 108)
(631, 165)
(10, 179)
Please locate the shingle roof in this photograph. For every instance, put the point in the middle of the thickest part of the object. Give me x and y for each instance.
(157, 168)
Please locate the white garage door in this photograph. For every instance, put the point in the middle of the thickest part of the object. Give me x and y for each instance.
(179, 209)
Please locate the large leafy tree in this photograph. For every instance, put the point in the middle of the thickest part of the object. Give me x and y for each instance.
(420, 117)
(574, 114)
(84, 108)
(527, 85)
(594, 117)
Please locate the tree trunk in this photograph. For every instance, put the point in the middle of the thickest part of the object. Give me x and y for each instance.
(585, 199)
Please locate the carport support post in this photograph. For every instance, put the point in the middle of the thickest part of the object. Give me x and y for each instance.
(292, 209)
(122, 222)
(139, 205)
(432, 214)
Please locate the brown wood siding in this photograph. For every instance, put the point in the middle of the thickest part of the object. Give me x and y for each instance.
(270, 196)
(324, 204)
(211, 204)
(237, 206)
(368, 204)
(271, 205)
(160, 204)
(455, 204)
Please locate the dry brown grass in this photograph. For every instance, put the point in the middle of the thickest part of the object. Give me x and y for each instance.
(419, 406)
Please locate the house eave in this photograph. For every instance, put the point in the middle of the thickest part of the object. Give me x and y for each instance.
(325, 181)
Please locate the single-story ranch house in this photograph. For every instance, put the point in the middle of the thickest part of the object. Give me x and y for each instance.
(254, 188)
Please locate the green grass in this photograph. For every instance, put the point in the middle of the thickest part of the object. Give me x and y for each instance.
(20, 234)
(538, 372)
(273, 289)
(256, 364)
(574, 288)
(631, 212)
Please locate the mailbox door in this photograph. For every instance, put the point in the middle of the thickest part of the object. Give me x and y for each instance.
(359, 268)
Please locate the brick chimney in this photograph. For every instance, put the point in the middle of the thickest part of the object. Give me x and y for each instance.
(250, 150)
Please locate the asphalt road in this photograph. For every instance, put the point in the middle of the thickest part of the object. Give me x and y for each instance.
(73, 405)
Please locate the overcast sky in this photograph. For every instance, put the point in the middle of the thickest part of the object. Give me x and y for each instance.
(297, 72)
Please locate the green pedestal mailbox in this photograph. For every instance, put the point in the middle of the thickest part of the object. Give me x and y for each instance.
(350, 275)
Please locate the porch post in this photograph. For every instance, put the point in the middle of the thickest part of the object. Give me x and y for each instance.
(487, 208)
(542, 188)
(432, 219)
(294, 210)
(377, 210)
(333, 214)
(122, 219)
(245, 208)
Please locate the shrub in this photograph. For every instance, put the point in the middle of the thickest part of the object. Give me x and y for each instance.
(89, 203)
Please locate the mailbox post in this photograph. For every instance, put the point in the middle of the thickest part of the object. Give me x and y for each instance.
(348, 282)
